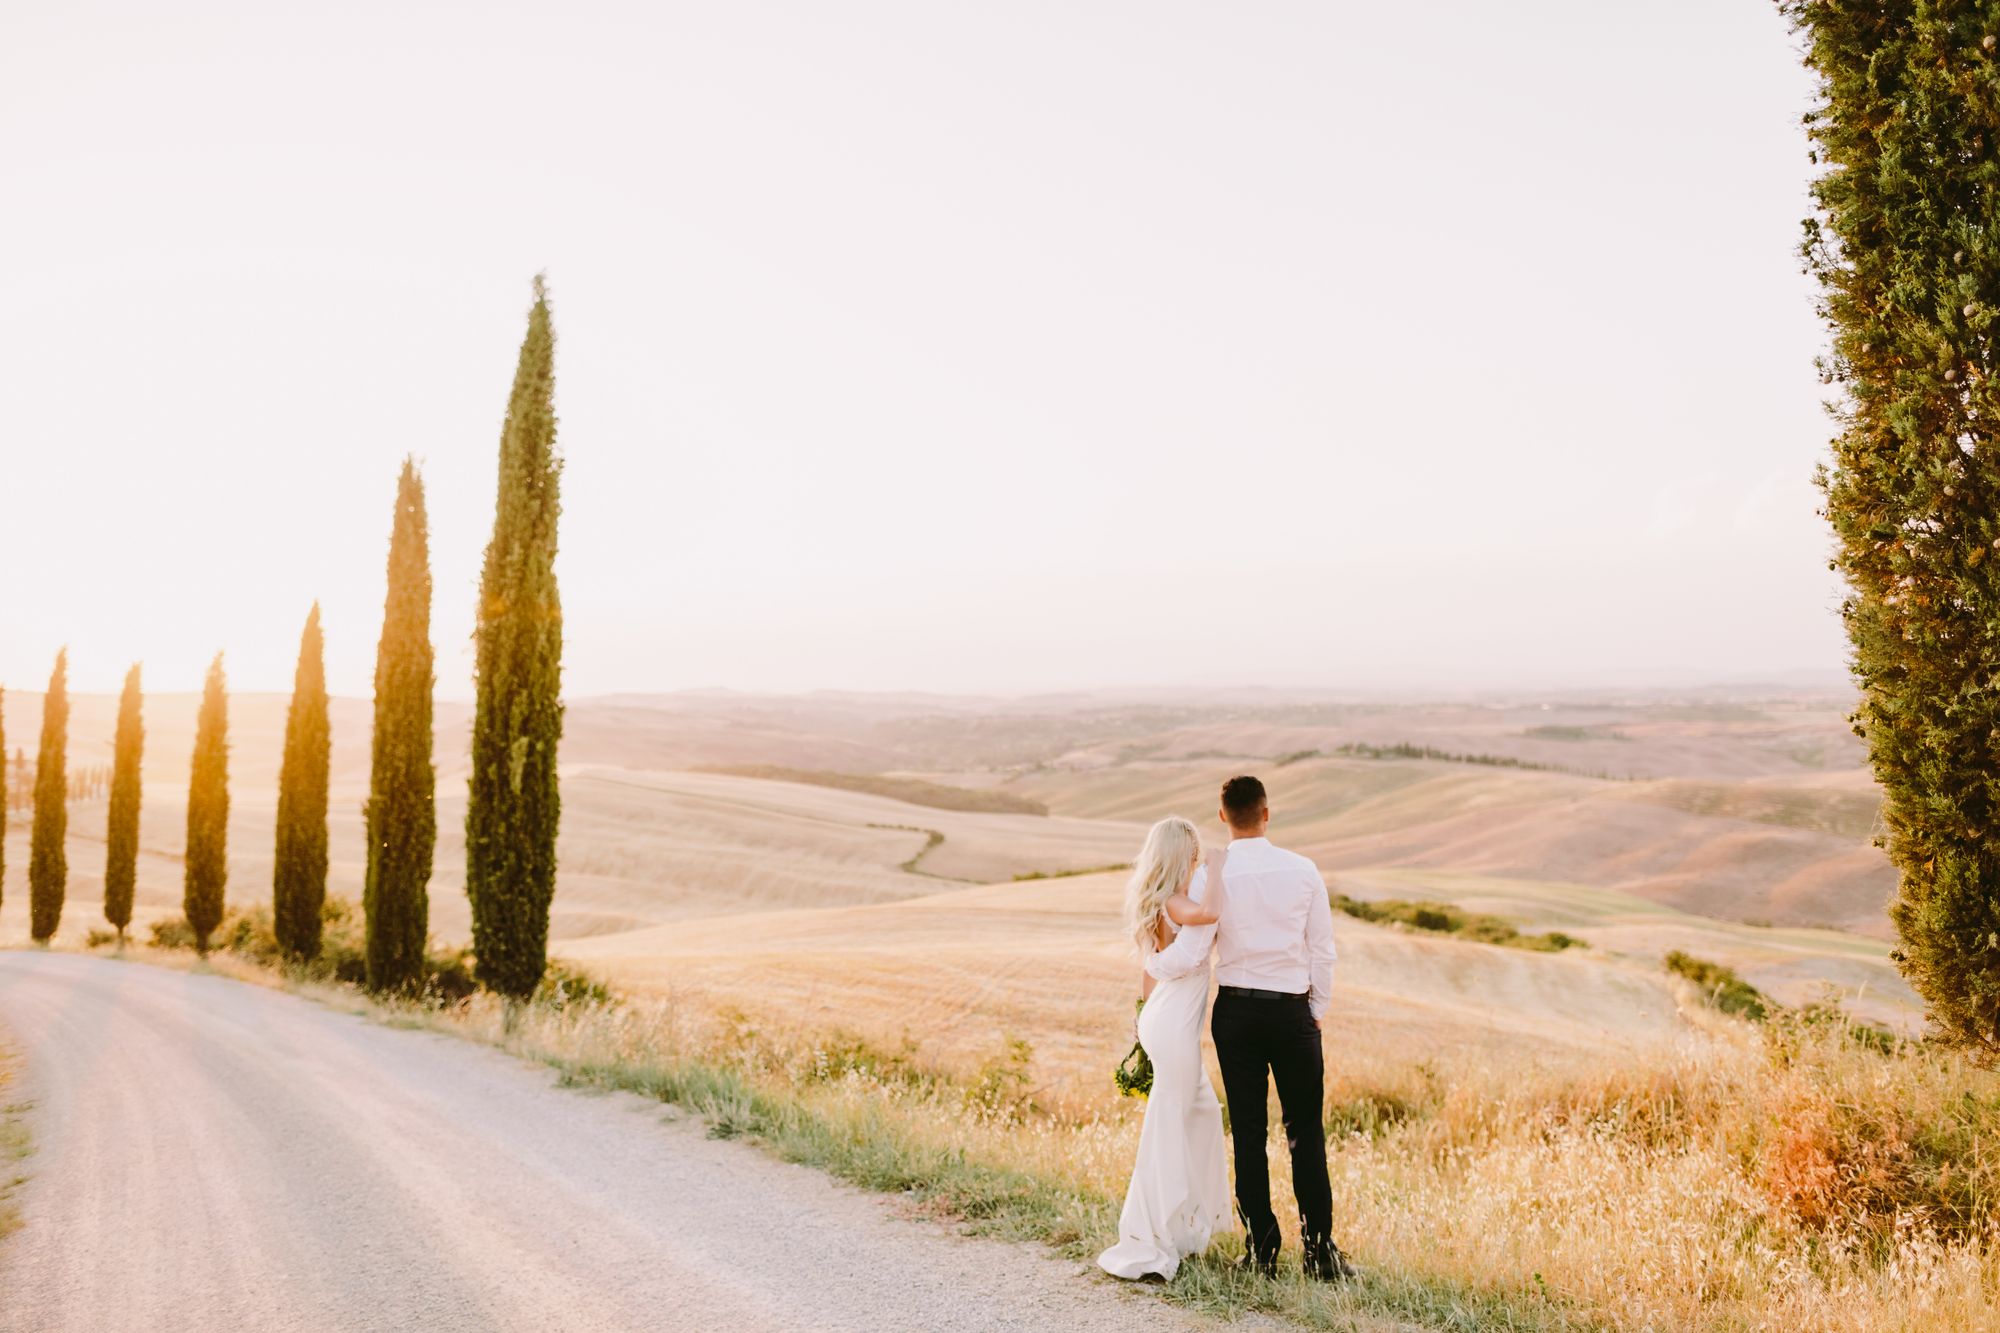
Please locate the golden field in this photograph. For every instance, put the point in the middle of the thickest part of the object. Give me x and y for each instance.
(1526, 1140)
(1734, 831)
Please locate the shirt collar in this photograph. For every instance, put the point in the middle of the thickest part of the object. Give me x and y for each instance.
(1248, 842)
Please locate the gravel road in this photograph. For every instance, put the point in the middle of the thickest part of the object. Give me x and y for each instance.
(212, 1155)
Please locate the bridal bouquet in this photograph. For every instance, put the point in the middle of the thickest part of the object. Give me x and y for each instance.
(1135, 1074)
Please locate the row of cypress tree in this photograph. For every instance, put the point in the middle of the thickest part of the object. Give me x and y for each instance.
(514, 807)
(48, 863)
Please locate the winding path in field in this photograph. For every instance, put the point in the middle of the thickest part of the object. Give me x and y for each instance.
(213, 1155)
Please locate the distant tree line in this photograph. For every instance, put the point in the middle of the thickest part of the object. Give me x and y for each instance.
(91, 783)
(512, 815)
(1409, 750)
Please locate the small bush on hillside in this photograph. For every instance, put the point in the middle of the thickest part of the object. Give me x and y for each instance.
(173, 933)
(1444, 919)
(98, 939)
(845, 1055)
(1720, 986)
(1822, 1016)
(563, 985)
(1002, 1084)
(1070, 874)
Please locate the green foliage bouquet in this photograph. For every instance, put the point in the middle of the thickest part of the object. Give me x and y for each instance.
(1135, 1073)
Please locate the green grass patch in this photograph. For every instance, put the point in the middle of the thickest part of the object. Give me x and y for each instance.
(14, 1149)
(1071, 874)
(1444, 919)
(1720, 987)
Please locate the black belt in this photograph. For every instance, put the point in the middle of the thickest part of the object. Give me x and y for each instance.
(1248, 993)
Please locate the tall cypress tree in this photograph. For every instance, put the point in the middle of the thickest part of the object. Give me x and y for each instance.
(121, 828)
(402, 781)
(298, 876)
(510, 822)
(1906, 247)
(48, 862)
(208, 811)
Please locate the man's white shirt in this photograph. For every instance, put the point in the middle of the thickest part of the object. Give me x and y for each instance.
(1276, 931)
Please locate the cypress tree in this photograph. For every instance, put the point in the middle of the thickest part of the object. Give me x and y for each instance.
(208, 811)
(48, 863)
(401, 813)
(121, 828)
(298, 876)
(1905, 243)
(510, 820)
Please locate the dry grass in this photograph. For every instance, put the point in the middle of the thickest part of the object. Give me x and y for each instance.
(1802, 1182)
(1044, 960)
(1786, 1177)
(1527, 1141)
(14, 1143)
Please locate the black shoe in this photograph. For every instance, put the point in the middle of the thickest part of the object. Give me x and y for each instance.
(1250, 1263)
(1326, 1263)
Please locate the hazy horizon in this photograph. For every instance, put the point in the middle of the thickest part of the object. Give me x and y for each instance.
(1802, 684)
(925, 348)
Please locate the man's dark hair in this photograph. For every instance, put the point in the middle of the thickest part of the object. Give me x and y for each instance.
(1242, 800)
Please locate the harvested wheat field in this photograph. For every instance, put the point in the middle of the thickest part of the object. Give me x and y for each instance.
(963, 972)
(1557, 1139)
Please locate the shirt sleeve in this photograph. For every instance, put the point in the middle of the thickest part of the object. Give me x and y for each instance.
(1189, 949)
(1319, 945)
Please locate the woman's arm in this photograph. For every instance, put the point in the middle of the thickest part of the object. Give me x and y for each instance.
(1187, 912)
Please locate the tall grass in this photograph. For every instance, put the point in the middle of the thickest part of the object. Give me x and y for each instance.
(1793, 1176)
(14, 1145)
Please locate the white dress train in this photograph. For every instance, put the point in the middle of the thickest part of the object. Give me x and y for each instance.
(1179, 1196)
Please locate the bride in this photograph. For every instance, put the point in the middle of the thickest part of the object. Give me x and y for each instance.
(1179, 1196)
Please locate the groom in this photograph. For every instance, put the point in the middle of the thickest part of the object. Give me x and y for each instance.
(1273, 971)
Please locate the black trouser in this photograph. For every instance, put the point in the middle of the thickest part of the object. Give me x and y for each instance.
(1253, 1035)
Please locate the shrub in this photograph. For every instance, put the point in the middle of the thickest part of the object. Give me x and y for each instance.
(1002, 1082)
(448, 978)
(172, 933)
(1444, 919)
(564, 985)
(1720, 986)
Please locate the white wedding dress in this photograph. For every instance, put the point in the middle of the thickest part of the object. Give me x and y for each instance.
(1179, 1196)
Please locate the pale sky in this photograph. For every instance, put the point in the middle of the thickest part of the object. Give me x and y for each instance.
(934, 345)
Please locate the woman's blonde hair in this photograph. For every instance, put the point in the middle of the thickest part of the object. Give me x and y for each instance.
(1163, 869)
